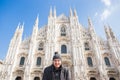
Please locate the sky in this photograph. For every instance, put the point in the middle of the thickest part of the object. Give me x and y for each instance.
(13, 12)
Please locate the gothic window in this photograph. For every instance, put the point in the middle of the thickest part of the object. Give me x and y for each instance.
(63, 31)
(38, 61)
(86, 45)
(22, 60)
(107, 62)
(92, 78)
(63, 49)
(89, 60)
(36, 78)
(112, 78)
(40, 46)
(18, 78)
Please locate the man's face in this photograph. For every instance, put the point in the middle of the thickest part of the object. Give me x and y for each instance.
(57, 63)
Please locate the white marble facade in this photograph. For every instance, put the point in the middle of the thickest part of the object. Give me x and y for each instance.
(87, 56)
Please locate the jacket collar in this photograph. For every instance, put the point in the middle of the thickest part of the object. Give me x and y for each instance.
(54, 69)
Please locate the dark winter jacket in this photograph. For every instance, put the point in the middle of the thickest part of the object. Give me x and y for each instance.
(49, 73)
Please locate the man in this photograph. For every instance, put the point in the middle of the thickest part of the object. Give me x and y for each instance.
(56, 71)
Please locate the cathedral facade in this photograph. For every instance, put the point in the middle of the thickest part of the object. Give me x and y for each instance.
(87, 56)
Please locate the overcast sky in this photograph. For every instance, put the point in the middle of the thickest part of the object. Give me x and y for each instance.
(13, 12)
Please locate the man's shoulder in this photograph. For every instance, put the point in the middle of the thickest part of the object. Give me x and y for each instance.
(48, 68)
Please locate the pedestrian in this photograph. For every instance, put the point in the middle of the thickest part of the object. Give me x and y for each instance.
(56, 71)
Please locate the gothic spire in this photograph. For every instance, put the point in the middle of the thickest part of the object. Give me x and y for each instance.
(37, 21)
(75, 13)
(111, 33)
(18, 27)
(107, 32)
(22, 27)
(71, 13)
(54, 12)
(35, 29)
(50, 15)
(90, 24)
(91, 28)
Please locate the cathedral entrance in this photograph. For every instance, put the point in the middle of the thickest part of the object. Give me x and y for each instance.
(18, 78)
(36, 78)
(92, 78)
(112, 78)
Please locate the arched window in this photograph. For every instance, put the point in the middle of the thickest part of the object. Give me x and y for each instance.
(41, 46)
(89, 60)
(36, 78)
(107, 62)
(18, 78)
(86, 45)
(63, 49)
(63, 31)
(38, 61)
(92, 78)
(112, 78)
(22, 60)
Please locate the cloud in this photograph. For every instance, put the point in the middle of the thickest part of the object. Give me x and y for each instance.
(107, 11)
(105, 14)
(106, 2)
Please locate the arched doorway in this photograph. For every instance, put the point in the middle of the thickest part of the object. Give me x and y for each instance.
(36, 78)
(18, 78)
(92, 78)
(112, 78)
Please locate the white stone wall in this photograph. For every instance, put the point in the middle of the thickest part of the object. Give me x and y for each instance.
(1, 68)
